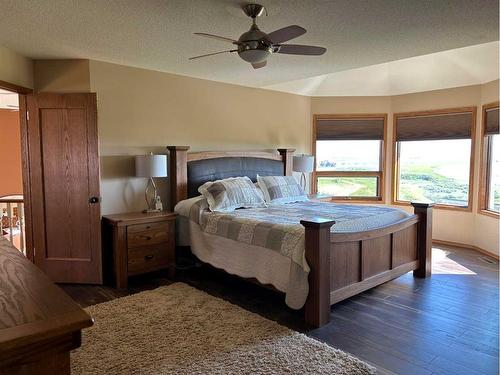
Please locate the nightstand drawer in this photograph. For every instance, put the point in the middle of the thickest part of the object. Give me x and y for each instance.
(147, 258)
(148, 234)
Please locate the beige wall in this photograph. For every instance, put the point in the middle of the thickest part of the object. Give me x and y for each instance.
(11, 182)
(142, 110)
(468, 228)
(62, 76)
(490, 92)
(15, 68)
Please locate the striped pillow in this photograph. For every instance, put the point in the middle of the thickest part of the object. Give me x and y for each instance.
(232, 193)
(281, 189)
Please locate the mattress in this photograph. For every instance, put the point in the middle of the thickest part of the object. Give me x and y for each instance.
(268, 243)
(348, 217)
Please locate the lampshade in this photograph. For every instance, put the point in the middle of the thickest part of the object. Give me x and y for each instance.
(303, 163)
(151, 165)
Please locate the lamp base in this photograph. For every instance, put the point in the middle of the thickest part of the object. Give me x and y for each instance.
(156, 203)
(303, 181)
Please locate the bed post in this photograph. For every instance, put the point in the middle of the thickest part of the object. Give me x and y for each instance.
(317, 251)
(287, 156)
(424, 238)
(177, 174)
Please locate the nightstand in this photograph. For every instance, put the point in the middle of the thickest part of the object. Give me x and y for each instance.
(136, 243)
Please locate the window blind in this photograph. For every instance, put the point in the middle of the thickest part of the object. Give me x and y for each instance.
(492, 121)
(434, 127)
(350, 129)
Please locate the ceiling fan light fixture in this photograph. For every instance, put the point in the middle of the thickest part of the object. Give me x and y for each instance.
(255, 55)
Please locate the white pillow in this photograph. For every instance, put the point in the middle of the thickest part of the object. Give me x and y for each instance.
(232, 193)
(183, 207)
(281, 189)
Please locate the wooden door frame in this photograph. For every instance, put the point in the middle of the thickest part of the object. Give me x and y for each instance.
(380, 174)
(22, 92)
(55, 121)
(396, 153)
(484, 164)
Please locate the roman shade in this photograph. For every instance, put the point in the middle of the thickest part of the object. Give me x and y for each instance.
(434, 127)
(349, 129)
(492, 121)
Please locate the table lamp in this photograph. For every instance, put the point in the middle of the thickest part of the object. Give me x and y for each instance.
(303, 164)
(151, 166)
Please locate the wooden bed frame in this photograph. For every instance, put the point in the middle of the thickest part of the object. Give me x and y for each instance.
(342, 264)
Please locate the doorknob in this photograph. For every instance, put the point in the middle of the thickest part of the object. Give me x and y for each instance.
(94, 200)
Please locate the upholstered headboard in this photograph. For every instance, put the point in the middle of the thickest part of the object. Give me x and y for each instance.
(201, 171)
(188, 171)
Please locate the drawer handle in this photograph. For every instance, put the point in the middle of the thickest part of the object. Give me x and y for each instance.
(149, 257)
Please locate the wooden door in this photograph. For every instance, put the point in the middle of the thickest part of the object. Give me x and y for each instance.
(64, 186)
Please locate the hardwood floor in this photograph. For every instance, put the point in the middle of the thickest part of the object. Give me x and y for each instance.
(447, 324)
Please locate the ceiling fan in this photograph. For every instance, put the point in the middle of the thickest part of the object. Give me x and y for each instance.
(255, 46)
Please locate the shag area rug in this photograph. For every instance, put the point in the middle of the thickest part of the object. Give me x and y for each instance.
(177, 329)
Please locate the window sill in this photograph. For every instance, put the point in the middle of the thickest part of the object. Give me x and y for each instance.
(330, 198)
(489, 213)
(358, 201)
(437, 206)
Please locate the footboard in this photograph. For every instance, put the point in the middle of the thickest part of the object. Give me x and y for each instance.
(345, 264)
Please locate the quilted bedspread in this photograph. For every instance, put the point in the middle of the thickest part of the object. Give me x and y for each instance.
(278, 227)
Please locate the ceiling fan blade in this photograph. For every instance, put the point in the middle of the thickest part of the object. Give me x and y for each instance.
(285, 34)
(298, 49)
(211, 54)
(259, 65)
(221, 38)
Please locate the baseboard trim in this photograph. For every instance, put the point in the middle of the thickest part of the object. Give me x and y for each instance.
(466, 246)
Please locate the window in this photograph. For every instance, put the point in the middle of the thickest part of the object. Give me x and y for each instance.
(349, 151)
(433, 157)
(489, 191)
(435, 171)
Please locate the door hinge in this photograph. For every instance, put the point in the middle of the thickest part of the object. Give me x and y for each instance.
(27, 115)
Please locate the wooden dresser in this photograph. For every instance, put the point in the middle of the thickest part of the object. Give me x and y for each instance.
(137, 243)
(39, 323)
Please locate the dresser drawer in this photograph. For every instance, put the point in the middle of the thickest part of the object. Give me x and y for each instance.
(148, 258)
(149, 234)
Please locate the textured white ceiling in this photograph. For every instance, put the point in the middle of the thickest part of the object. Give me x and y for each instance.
(458, 67)
(158, 34)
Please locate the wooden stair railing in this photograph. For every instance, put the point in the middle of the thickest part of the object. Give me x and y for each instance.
(12, 220)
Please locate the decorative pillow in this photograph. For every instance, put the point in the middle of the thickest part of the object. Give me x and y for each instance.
(281, 189)
(232, 193)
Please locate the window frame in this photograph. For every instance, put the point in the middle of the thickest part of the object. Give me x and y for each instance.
(396, 154)
(485, 164)
(379, 174)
